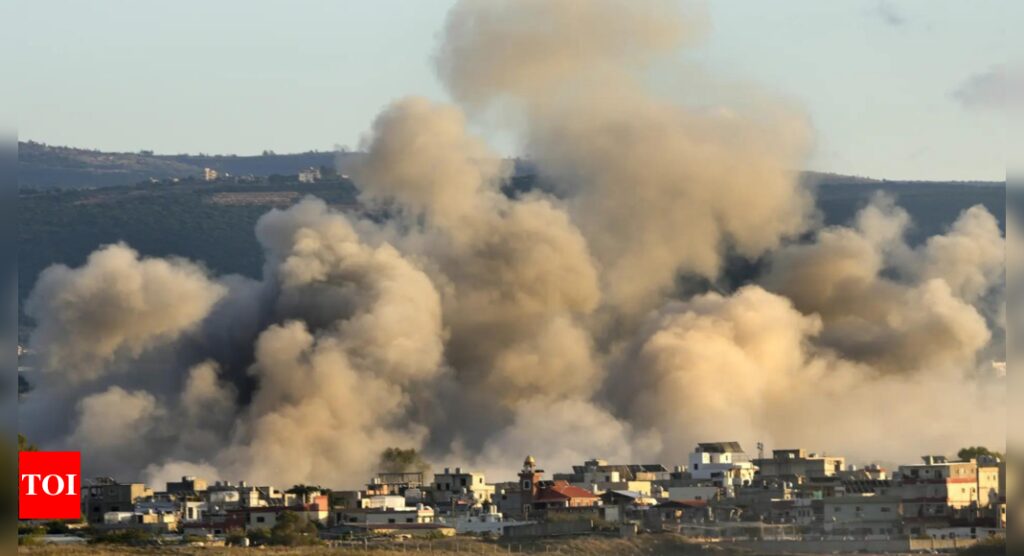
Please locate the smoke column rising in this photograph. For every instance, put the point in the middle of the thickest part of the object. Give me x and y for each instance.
(478, 327)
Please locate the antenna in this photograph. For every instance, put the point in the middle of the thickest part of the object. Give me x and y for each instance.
(760, 450)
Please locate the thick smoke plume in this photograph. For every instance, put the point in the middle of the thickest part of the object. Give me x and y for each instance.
(477, 326)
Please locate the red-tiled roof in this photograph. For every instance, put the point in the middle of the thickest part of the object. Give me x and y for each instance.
(562, 491)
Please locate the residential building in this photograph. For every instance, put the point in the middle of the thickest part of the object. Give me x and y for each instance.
(723, 463)
(863, 515)
(209, 174)
(558, 495)
(187, 485)
(990, 482)
(485, 520)
(675, 512)
(156, 522)
(797, 463)
(600, 471)
(265, 517)
(103, 495)
(697, 491)
(464, 485)
(394, 483)
(385, 516)
(934, 490)
(309, 175)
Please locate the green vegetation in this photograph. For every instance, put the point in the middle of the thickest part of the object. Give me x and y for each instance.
(291, 529)
(987, 547)
(234, 537)
(975, 452)
(306, 489)
(131, 537)
(213, 222)
(24, 445)
(209, 223)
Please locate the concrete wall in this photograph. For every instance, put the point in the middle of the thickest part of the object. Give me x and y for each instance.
(553, 529)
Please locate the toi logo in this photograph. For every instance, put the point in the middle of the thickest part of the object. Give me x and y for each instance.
(49, 485)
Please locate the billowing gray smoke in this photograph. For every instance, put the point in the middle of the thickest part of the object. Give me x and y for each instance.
(478, 327)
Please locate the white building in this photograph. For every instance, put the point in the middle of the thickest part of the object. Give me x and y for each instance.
(309, 175)
(489, 520)
(382, 502)
(381, 516)
(723, 463)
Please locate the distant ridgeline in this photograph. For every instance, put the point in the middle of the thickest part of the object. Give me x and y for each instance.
(47, 166)
(213, 221)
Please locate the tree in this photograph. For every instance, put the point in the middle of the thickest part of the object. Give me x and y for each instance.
(24, 446)
(975, 452)
(305, 489)
(291, 529)
(234, 537)
(397, 460)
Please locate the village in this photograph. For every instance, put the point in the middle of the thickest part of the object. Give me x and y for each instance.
(789, 498)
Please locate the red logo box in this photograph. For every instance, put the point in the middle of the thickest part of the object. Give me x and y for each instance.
(49, 485)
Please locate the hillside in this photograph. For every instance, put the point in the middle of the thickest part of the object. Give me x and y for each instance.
(46, 166)
(213, 222)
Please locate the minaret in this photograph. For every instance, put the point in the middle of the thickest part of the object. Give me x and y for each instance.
(528, 479)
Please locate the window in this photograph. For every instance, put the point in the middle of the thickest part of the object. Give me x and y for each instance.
(885, 509)
(408, 520)
(260, 519)
(391, 520)
(463, 481)
(696, 466)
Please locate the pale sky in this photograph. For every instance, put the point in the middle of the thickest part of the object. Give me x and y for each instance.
(894, 89)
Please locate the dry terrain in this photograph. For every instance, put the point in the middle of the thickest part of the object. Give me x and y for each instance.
(653, 545)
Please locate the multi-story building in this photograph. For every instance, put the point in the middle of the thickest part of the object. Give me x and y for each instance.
(990, 482)
(187, 485)
(391, 483)
(313, 509)
(723, 463)
(933, 490)
(798, 463)
(103, 495)
(459, 484)
(863, 515)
